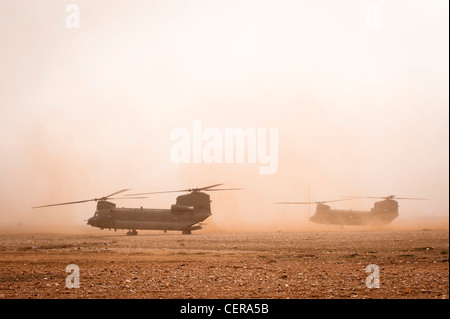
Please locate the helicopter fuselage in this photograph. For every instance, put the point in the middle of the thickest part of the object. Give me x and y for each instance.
(186, 215)
(144, 218)
(381, 214)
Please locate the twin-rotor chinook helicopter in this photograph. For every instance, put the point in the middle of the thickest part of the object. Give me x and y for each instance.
(185, 216)
(382, 213)
(192, 209)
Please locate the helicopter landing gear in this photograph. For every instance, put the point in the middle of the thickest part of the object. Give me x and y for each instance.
(132, 232)
(186, 232)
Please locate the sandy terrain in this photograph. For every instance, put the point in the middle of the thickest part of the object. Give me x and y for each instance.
(412, 264)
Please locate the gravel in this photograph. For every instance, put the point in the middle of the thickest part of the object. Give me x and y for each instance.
(312, 265)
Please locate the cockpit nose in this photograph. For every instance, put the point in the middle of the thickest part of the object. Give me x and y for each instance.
(90, 221)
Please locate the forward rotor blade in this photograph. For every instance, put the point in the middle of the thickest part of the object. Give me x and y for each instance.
(179, 191)
(412, 198)
(338, 200)
(128, 198)
(377, 197)
(121, 191)
(205, 188)
(225, 189)
(68, 203)
(84, 201)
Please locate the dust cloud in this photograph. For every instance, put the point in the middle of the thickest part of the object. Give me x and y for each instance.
(86, 112)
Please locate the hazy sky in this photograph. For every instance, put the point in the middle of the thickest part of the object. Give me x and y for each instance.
(358, 91)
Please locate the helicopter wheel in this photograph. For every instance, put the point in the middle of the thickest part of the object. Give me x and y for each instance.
(132, 233)
(186, 232)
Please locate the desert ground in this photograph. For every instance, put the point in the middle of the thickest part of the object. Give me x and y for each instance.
(279, 265)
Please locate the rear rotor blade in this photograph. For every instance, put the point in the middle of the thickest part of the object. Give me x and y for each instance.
(412, 198)
(179, 191)
(395, 197)
(199, 189)
(316, 202)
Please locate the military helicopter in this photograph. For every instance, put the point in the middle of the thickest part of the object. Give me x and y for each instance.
(382, 213)
(186, 215)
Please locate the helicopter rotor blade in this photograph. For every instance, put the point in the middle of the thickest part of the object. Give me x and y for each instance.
(84, 201)
(394, 197)
(377, 197)
(316, 202)
(417, 198)
(207, 187)
(141, 197)
(225, 189)
(199, 189)
(121, 191)
(151, 193)
(338, 200)
(68, 203)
